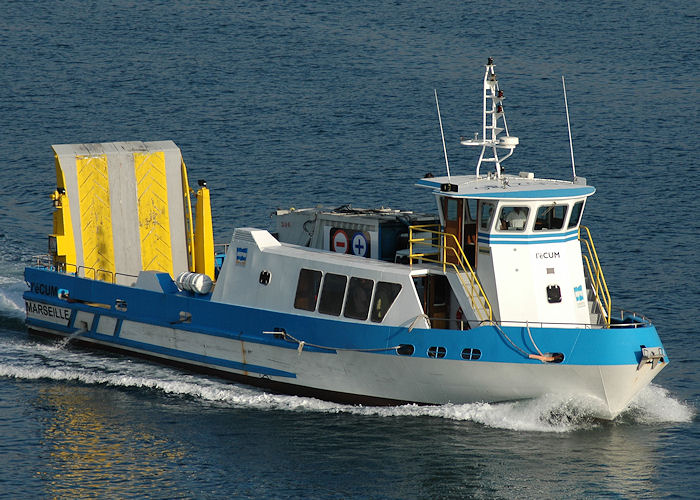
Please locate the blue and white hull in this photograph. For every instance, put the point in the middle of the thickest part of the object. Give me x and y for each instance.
(500, 296)
(359, 364)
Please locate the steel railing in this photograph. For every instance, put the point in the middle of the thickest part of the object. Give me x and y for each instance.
(595, 274)
(444, 245)
(626, 319)
(70, 268)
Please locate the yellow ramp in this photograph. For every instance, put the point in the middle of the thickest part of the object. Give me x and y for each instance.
(128, 205)
(95, 216)
(154, 223)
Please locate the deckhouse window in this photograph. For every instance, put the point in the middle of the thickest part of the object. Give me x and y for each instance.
(575, 217)
(513, 218)
(332, 294)
(486, 216)
(451, 211)
(384, 296)
(550, 217)
(359, 295)
(307, 289)
(471, 209)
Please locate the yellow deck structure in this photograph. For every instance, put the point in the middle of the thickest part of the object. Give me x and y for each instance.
(129, 211)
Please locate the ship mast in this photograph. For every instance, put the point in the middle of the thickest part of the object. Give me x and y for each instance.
(493, 124)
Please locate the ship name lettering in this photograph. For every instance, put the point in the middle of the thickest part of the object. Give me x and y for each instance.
(547, 255)
(44, 289)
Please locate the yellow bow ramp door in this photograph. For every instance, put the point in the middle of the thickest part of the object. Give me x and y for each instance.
(130, 213)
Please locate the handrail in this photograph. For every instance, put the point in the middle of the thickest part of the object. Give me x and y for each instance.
(479, 301)
(595, 272)
(641, 321)
(63, 267)
(225, 245)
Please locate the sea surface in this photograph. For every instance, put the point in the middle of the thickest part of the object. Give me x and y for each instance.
(295, 104)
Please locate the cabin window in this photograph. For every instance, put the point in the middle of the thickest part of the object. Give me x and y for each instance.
(451, 209)
(486, 216)
(358, 299)
(307, 289)
(471, 209)
(332, 294)
(384, 297)
(514, 218)
(550, 217)
(576, 214)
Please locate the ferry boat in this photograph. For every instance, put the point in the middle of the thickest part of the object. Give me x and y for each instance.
(499, 296)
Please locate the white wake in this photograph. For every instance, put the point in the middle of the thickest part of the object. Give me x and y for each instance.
(11, 302)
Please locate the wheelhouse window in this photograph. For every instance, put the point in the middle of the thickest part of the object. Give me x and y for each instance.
(332, 294)
(471, 209)
(486, 216)
(451, 209)
(358, 299)
(513, 218)
(550, 217)
(384, 297)
(576, 212)
(307, 289)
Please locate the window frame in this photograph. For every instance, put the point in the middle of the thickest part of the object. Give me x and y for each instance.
(553, 206)
(489, 224)
(502, 218)
(451, 208)
(374, 313)
(355, 287)
(315, 283)
(341, 300)
(582, 204)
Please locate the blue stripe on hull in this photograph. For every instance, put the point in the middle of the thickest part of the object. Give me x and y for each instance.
(621, 346)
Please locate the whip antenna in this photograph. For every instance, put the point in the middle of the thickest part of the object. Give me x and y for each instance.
(447, 163)
(568, 125)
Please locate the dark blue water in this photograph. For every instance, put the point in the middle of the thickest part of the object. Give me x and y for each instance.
(296, 104)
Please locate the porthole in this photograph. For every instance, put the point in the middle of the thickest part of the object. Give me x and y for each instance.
(436, 352)
(471, 354)
(405, 350)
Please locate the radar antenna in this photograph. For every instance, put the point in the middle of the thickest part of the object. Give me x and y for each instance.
(493, 123)
(568, 125)
(444, 148)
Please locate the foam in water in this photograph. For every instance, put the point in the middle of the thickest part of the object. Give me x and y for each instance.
(654, 404)
(32, 361)
(11, 302)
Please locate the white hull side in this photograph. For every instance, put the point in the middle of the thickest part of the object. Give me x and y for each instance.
(437, 381)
